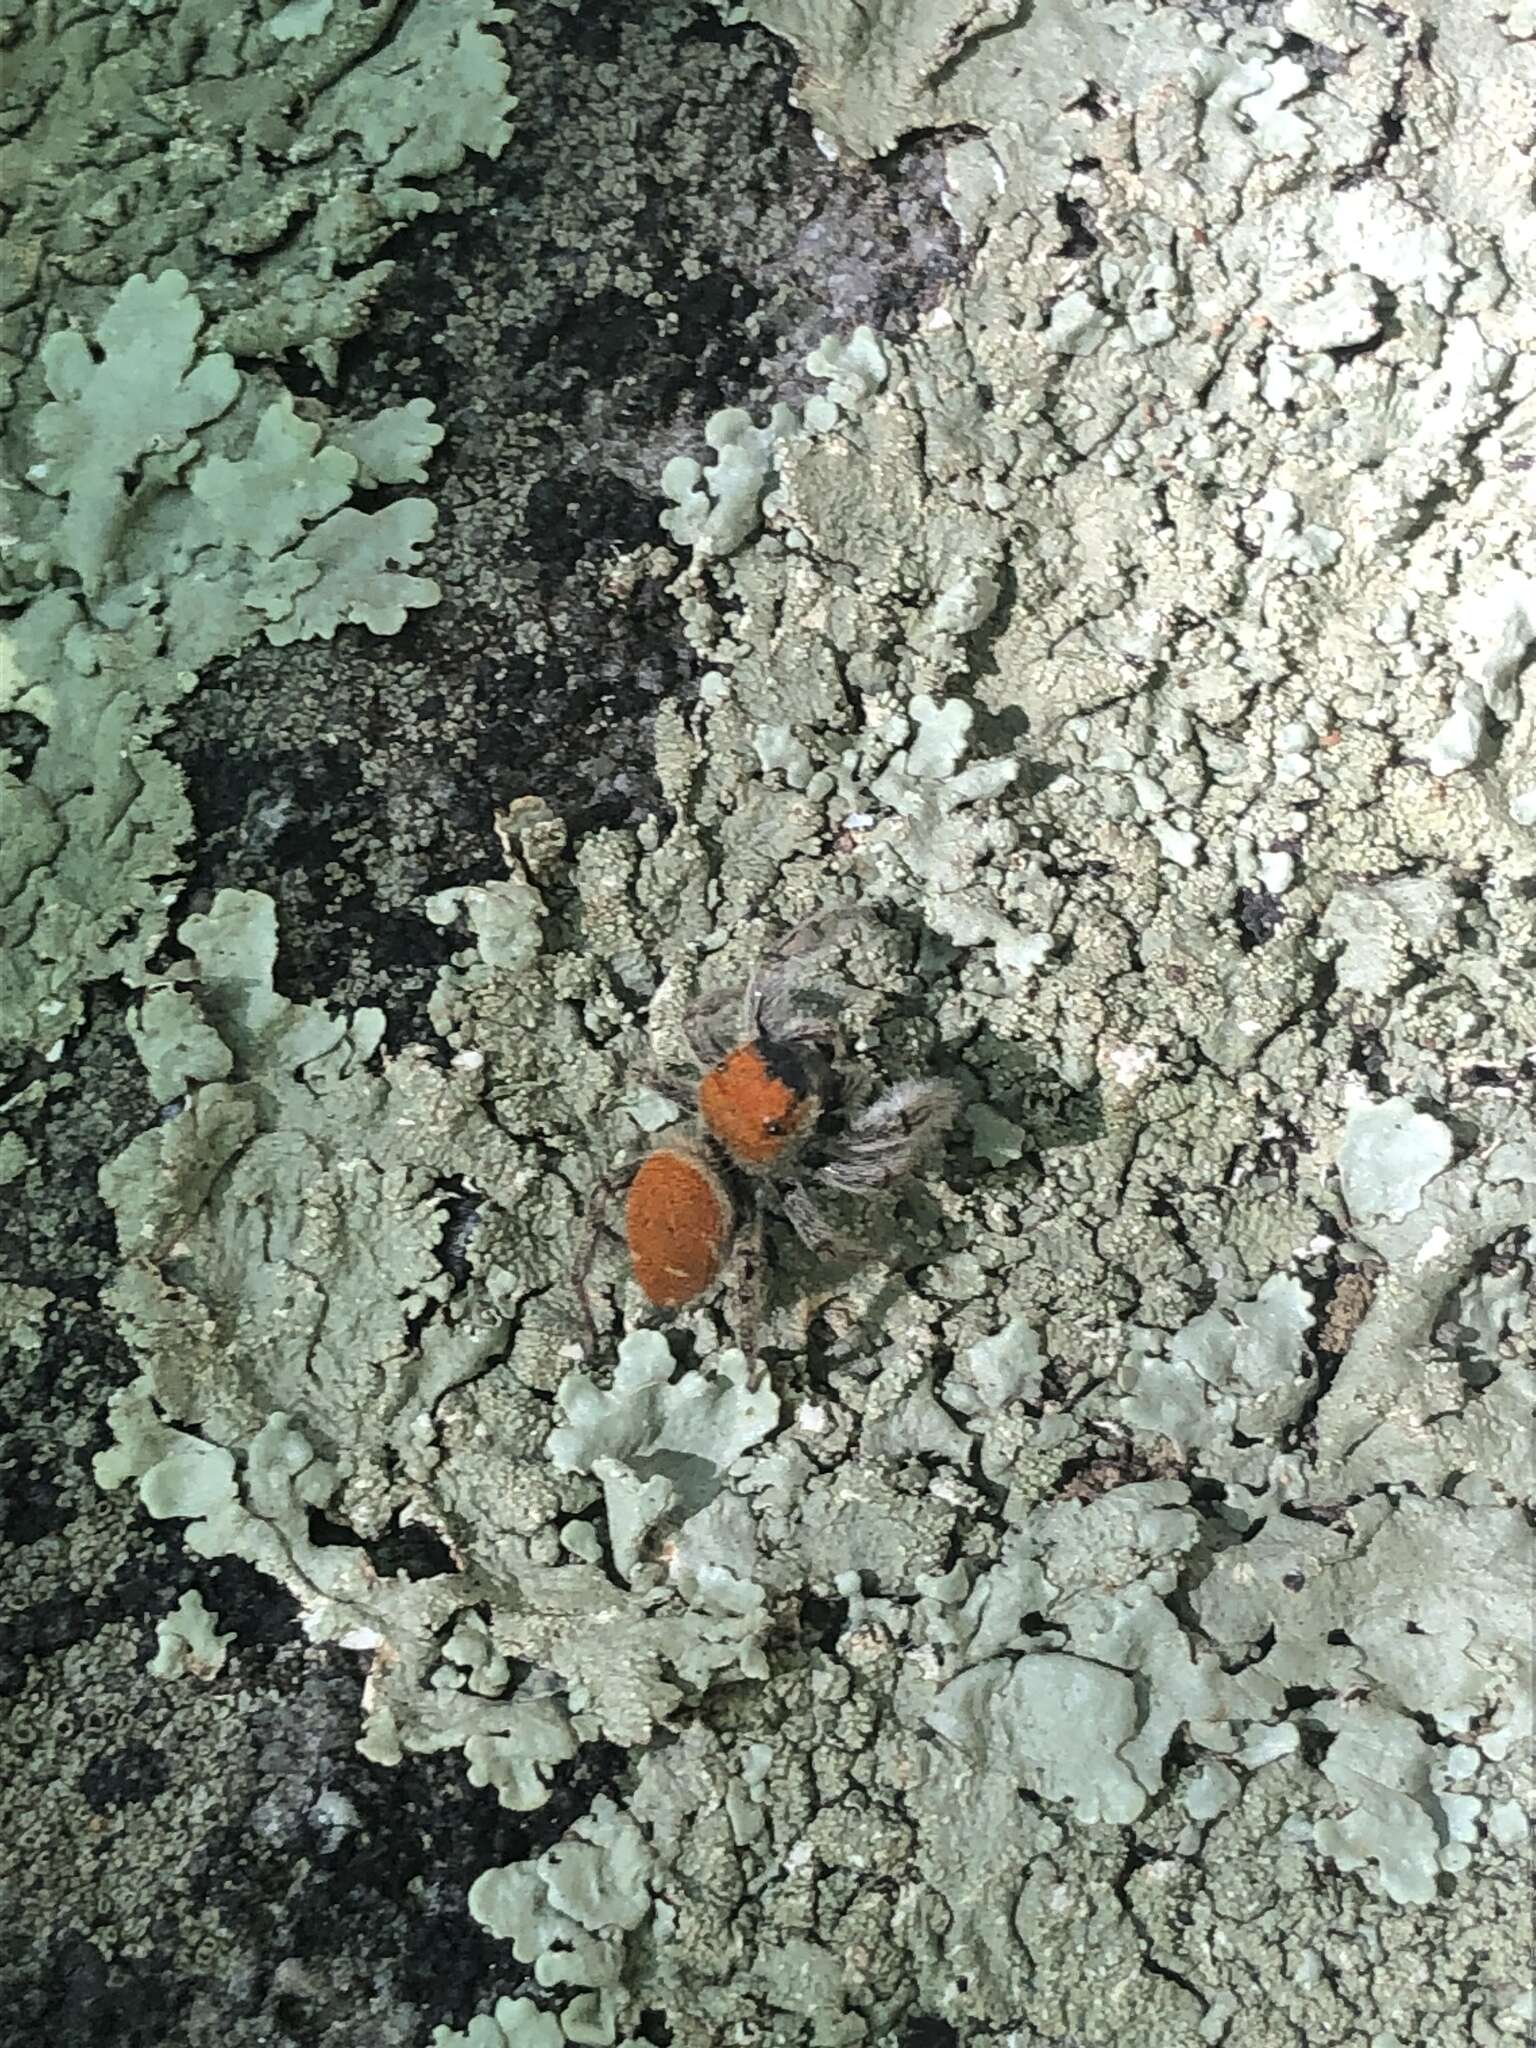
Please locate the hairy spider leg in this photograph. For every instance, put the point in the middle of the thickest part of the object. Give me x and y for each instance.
(883, 1141)
(763, 1007)
(586, 1245)
(820, 1238)
(750, 1251)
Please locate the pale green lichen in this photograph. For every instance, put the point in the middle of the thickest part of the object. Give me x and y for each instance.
(295, 157)
(660, 1448)
(518, 2023)
(142, 551)
(190, 1642)
(567, 1912)
(22, 1314)
(1388, 1155)
(511, 2023)
(165, 507)
(126, 410)
(718, 506)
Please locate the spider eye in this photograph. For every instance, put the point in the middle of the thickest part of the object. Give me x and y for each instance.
(773, 1127)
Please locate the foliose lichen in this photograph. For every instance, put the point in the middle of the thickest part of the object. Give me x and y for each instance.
(163, 505)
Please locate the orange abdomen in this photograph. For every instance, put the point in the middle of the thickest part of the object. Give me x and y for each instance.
(678, 1223)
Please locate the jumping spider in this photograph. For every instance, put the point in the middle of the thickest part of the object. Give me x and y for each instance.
(773, 1115)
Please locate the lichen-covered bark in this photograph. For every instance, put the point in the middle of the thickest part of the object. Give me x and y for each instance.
(163, 508)
(1105, 1618)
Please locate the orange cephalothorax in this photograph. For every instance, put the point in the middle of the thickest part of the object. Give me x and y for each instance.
(679, 1223)
(757, 1102)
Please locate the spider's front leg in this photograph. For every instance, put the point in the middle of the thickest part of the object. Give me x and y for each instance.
(882, 1142)
(750, 1250)
(710, 1029)
(768, 1001)
(820, 1238)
